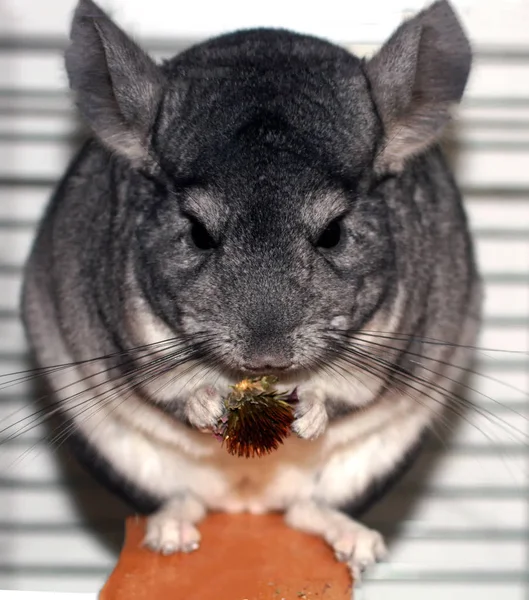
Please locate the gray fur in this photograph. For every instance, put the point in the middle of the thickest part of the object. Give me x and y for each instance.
(118, 87)
(263, 138)
(416, 78)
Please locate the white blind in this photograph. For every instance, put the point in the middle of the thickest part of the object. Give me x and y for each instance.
(466, 532)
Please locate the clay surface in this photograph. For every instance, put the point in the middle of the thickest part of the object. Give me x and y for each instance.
(242, 557)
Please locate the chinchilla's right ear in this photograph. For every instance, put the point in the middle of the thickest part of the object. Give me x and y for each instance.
(416, 78)
(117, 85)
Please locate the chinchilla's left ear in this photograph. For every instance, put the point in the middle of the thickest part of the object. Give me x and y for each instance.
(416, 78)
(117, 85)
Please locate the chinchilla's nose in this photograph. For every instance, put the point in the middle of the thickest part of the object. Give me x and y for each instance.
(268, 346)
(267, 362)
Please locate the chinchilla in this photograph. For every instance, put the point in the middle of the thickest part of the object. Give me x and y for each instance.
(262, 203)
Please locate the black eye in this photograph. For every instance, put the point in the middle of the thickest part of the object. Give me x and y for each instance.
(331, 235)
(200, 236)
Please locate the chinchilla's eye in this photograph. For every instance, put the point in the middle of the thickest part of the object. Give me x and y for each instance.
(201, 237)
(331, 236)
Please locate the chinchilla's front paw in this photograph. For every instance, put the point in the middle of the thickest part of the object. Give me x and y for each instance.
(311, 417)
(204, 407)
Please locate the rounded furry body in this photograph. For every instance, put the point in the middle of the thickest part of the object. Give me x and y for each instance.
(195, 215)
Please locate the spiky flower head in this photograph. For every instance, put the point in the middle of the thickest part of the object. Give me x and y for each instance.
(257, 417)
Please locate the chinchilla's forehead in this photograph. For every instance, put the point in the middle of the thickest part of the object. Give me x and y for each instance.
(262, 88)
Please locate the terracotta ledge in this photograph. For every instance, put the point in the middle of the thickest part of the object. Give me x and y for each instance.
(242, 557)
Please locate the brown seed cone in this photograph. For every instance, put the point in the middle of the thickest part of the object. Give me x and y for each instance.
(257, 418)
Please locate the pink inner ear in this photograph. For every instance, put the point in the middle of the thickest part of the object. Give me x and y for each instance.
(416, 78)
(117, 85)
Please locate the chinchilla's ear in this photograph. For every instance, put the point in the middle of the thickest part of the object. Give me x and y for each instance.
(117, 85)
(416, 78)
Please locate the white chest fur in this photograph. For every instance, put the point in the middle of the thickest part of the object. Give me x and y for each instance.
(166, 458)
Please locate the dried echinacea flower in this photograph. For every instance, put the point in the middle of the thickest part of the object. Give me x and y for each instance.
(257, 418)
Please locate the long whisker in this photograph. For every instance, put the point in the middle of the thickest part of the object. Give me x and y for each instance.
(405, 390)
(103, 371)
(457, 409)
(46, 410)
(149, 377)
(448, 378)
(87, 360)
(42, 371)
(461, 402)
(91, 406)
(181, 351)
(356, 336)
(431, 341)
